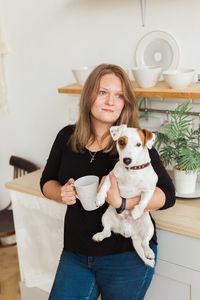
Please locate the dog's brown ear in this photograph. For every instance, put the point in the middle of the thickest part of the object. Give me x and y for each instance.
(149, 138)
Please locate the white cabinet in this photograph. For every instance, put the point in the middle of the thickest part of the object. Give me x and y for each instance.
(177, 274)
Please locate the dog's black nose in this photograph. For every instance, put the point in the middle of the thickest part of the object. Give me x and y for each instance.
(127, 160)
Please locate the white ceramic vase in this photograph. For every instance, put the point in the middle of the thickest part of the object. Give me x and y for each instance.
(185, 183)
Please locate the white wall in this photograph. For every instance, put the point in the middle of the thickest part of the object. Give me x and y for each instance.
(48, 38)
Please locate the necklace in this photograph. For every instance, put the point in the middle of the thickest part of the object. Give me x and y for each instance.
(92, 156)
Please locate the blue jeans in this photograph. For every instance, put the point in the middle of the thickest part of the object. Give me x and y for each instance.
(116, 277)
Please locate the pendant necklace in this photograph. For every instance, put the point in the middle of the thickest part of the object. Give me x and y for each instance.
(92, 156)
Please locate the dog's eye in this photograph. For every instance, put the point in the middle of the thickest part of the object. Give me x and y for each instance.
(138, 144)
(121, 142)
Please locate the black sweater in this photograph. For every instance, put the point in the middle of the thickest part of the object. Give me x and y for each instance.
(80, 225)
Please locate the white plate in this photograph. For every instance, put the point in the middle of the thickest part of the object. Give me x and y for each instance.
(196, 194)
(157, 48)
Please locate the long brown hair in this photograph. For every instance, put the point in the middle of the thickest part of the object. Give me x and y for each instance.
(129, 115)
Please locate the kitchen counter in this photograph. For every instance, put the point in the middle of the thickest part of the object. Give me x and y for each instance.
(39, 224)
(183, 218)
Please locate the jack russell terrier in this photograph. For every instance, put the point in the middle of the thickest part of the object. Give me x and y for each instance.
(135, 177)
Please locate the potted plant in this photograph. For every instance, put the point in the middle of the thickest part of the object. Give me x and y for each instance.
(179, 146)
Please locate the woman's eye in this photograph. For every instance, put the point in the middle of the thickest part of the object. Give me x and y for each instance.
(120, 96)
(138, 144)
(121, 142)
(102, 92)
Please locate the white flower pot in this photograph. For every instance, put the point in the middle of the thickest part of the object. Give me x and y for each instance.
(185, 183)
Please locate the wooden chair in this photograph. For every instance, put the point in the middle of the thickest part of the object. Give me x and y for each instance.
(21, 167)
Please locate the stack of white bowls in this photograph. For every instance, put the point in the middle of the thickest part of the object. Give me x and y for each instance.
(82, 73)
(146, 76)
(179, 79)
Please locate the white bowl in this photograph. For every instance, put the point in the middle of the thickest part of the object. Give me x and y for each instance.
(179, 79)
(81, 74)
(146, 76)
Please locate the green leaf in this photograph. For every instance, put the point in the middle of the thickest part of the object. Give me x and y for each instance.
(179, 142)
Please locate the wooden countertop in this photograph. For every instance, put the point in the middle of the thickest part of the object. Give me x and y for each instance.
(29, 184)
(160, 90)
(183, 218)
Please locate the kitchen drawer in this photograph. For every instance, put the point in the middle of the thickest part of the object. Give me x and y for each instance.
(179, 249)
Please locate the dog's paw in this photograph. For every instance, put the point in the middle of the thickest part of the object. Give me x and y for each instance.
(137, 212)
(100, 200)
(149, 253)
(126, 233)
(98, 237)
(150, 262)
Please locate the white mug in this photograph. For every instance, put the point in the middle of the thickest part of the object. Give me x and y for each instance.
(86, 190)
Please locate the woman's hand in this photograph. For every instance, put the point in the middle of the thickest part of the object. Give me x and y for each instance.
(113, 195)
(68, 193)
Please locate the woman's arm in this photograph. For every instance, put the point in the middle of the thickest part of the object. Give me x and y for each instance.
(164, 183)
(157, 201)
(66, 193)
(113, 197)
(49, 176)
(52, 190)
(50, 186)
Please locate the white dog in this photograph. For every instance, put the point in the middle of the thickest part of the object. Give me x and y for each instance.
(135, 177)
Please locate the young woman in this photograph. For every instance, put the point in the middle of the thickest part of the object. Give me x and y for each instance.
(111, 268)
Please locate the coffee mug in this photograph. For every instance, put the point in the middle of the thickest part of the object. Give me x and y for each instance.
(86, 191)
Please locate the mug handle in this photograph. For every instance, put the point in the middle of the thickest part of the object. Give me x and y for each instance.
(75, 189)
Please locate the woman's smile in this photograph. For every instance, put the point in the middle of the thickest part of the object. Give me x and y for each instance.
(108, 110)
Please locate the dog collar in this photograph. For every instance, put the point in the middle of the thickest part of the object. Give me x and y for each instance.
(138, 167)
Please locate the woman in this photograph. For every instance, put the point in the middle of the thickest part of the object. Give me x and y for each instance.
(110, 268)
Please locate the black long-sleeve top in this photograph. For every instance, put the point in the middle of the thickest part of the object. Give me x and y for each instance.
(80, 225)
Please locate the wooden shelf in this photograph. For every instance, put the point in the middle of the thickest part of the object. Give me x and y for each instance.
(160, 90)
(74, 88)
